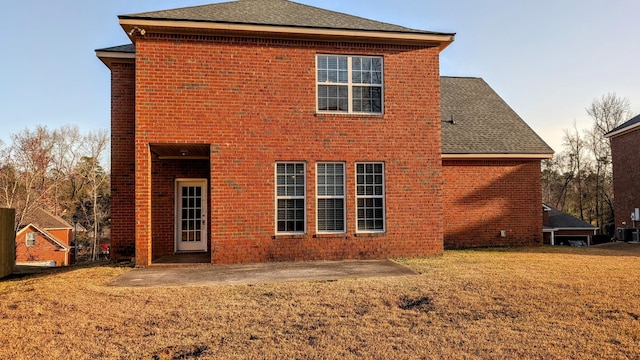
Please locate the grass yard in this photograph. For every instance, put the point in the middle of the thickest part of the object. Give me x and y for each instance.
(540, 303)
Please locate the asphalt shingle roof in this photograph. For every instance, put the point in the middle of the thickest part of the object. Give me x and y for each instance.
(129, 48)
(273, 12)
(45, 220)
(627, 124)
(483, 123)
(562, 220)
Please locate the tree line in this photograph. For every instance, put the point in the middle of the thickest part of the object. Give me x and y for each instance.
(59, 170)
(579, 179)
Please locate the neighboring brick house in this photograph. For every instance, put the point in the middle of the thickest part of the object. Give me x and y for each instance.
(625, 146)
(44, 238)
(269, 130)
(560, 228)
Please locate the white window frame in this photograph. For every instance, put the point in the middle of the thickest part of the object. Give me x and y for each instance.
(30, 239)
(289, 197)
(343, 197)
(350, 85)
(380, 196)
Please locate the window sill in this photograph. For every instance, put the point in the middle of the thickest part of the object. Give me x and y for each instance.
(370, 234)
(289, 236)
(322, 115)
(331, 236)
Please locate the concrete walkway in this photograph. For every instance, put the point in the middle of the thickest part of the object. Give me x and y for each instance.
(204, 275)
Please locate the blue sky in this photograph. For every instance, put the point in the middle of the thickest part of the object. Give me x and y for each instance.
(547, 58)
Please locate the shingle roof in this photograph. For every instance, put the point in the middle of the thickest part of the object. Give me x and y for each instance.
(627, 125)
(45, 220)
(129, 48)
(562, 220)
(483, 123)
(272, 12)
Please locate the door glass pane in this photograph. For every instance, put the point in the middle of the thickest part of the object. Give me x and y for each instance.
(191, 213)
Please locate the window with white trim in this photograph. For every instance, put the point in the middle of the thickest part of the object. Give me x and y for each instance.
(350, 84)
(370, 197)
(31, 239)
(330, 201)
(290, 197)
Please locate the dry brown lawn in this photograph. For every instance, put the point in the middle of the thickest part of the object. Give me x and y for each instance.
(539, 303)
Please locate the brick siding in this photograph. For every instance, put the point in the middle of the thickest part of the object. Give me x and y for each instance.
(122, 160)
(43, 250)
(254, 102)
(626, 176)
(483, 197)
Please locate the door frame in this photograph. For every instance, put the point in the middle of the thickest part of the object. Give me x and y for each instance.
(178, 208)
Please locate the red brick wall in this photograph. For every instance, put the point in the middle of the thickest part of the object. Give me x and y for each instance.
(254, 102)
(64, 235)
(43, 250)
(483, 197)
(122, 160)
(626, 176)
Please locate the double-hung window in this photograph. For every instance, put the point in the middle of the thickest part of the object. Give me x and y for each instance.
(370, 197)
(31, 239)
(290, 197)
(330, 202)
(350, 84)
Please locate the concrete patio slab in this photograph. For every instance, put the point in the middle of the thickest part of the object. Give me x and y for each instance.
(205, 275)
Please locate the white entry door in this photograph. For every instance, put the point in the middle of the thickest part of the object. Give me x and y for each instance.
(191, 215)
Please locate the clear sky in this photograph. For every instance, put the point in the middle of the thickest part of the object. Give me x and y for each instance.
(547, 58)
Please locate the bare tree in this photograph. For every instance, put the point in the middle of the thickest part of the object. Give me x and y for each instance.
(27, 173)
(607, 112)
(579, 179)
(66, 155)
(95, 146)
(577, 164)
(557, 180)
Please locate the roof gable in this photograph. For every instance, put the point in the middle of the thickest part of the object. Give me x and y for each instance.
(475, 120)
(272, 12)
(44, 234)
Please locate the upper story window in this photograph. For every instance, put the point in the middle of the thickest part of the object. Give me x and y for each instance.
(31, 239)
(350, 84)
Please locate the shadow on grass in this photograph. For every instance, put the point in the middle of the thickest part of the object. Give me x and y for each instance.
(25, 271)
(606, 249)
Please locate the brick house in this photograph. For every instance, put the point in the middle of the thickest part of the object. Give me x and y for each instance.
(626, 172)
(44, 238)
(269, 130)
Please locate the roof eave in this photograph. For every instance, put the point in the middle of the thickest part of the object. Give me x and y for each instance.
(492, 156)
(560, 228)
(441, 40)
(623, 131)
(109, 57)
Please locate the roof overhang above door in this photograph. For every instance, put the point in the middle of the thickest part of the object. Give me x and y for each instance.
(181, 151)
